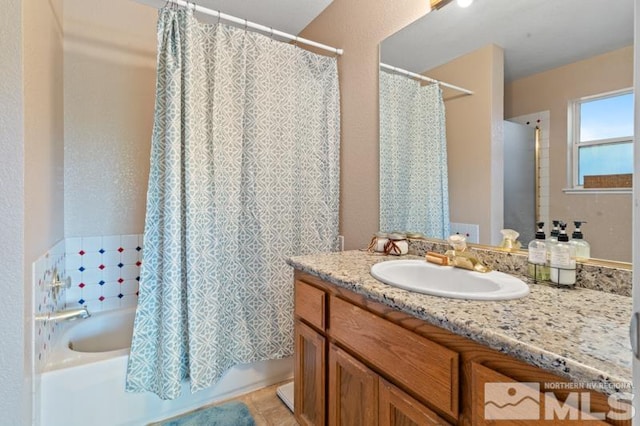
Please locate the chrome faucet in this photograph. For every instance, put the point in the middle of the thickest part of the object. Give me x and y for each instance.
(66, 315)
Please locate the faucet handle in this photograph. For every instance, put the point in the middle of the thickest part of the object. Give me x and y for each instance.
(58, 283)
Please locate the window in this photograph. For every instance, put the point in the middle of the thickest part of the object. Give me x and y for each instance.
(602, 135)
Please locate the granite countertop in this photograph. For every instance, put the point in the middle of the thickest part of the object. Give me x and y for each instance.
(579, 334)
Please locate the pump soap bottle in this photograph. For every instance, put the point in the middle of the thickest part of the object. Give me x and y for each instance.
(563, 259)
(582, 248)
(555, 231)
(538, 268)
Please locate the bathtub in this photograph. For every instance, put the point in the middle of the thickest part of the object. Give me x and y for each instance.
(85, 385)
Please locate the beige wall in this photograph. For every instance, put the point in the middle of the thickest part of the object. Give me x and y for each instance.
(15, 401)
(109, 92)
(474, 139)
(44, 136)
(358, 26)
(31, 152)
(608, 215)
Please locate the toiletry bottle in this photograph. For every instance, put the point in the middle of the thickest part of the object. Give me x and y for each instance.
(510, 240)
(582, 248)
(555, 231)
(538, 268)
(562, 265)
(553, 238)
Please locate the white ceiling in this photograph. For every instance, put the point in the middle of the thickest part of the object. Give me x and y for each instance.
(290, 16)
(536, 35)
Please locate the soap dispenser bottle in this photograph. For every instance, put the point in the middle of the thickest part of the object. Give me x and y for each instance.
(538, 268)
(562, 264)
(555, 231)
(582, 248)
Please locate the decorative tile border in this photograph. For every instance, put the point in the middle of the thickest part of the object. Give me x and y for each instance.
(104, 271)
(594, 277)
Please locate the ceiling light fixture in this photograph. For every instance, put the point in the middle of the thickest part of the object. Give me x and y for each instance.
(464, 3)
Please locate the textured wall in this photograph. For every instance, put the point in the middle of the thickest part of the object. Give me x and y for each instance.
(44, 137)
(109, 89)
(43, 147)
(13, 403)
(608, 215)
(358, 26)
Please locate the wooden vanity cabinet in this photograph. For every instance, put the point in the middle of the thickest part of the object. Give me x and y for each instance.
(359, 362)
(310, 359)
(532, 401)
(396, 408)
(310, 375)
(353, 390)
(346, 359)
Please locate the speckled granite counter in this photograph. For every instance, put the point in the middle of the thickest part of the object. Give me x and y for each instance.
(579, 334)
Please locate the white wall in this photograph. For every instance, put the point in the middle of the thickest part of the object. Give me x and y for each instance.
(14, 397)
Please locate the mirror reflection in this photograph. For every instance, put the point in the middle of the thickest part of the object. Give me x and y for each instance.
(545, 135)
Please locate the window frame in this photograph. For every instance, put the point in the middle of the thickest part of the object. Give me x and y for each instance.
(574, 136)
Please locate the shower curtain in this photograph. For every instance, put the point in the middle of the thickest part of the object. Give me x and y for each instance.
(414, 194)
(244, 172)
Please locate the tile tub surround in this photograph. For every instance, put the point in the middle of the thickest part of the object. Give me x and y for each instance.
(611, 279)
(46, 300)
(579, 334)
(104, 271)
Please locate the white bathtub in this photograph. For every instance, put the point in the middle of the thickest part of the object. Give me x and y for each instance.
(87, 388)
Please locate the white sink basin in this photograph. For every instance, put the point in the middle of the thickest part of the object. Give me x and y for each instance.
(447, 281)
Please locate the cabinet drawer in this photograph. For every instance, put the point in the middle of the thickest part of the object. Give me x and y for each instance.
(310, 304)
(424, 368)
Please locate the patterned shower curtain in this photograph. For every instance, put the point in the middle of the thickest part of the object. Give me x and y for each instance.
(414, 193)
(244, 172)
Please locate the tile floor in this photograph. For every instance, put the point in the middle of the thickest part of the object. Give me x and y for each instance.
(265, 407)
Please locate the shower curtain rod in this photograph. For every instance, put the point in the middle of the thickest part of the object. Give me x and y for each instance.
(425, 78)
(253, 25)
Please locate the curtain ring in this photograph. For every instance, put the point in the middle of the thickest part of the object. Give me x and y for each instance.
(271, 33)
(295, 41)
(245, 25)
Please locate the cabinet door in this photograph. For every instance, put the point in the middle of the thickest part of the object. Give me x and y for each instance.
(396, 408)
(499, 399)
(309, 376)
(353, 391)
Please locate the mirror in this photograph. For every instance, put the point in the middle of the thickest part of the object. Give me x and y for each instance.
(525, 62)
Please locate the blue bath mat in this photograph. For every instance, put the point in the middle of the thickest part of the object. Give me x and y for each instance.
(229, 414)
